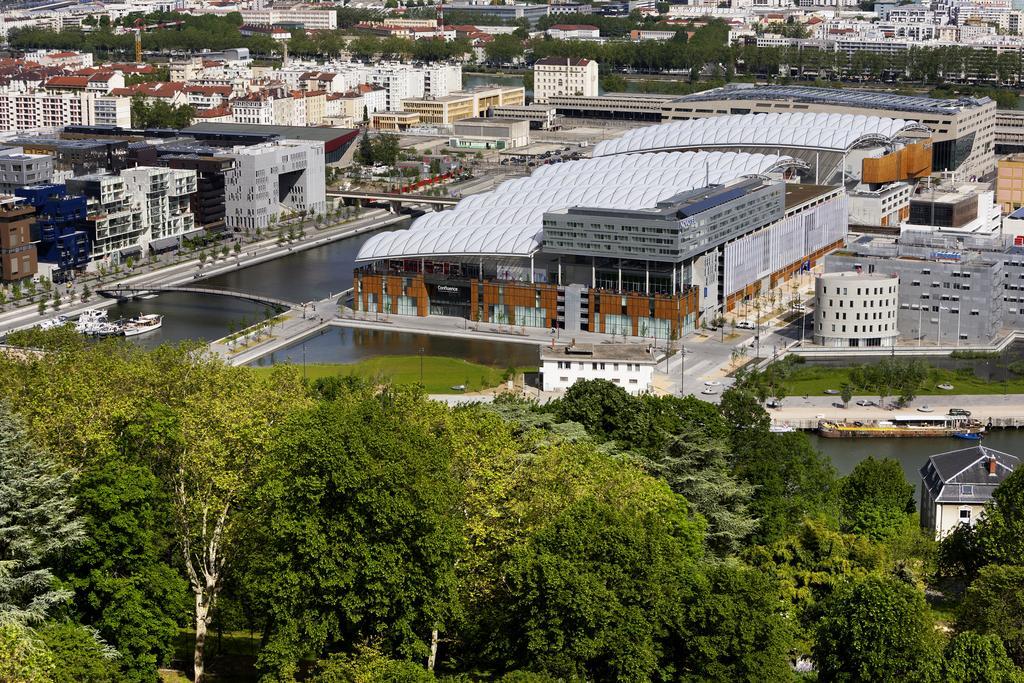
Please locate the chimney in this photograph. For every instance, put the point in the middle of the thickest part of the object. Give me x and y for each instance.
(991, 466)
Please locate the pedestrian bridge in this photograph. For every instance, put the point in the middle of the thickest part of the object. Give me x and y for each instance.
(126, 292)
(394, 200)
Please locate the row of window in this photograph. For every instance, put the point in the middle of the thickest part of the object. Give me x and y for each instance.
(567, 365)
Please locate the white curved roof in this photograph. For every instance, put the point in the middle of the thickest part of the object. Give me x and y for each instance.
(508, 221)
(833, 132)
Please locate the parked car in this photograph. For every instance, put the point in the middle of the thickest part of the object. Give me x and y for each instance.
(774, 403)
(959, 412)
(864, 403)
(745, 325)
(925, 409)
(708, 390)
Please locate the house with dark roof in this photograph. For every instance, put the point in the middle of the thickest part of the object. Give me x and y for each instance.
(956, 486)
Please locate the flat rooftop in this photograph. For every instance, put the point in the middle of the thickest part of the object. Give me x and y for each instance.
(850, 97)
(629, 353)
(324, 135)
(799, 193)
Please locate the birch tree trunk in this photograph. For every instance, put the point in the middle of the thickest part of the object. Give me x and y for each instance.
(432, 658)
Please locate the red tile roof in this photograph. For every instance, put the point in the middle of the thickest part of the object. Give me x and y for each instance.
(67, 82)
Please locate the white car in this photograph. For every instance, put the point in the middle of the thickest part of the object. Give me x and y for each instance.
(708, 390)
(864, 403)
(712, 383)
(925, 409)
(745, 325)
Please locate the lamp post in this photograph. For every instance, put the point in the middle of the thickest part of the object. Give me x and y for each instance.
(682, 368)
(938, 336)
(421, 365)
(958, 311)
(920, 332)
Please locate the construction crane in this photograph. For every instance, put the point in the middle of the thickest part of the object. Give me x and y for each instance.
(138, 41)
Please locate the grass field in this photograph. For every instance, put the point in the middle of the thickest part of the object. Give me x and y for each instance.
(807, 380)
(440, 373)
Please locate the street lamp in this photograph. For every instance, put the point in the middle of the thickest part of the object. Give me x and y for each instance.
(920, 332)
(421, 365)
(938, 336)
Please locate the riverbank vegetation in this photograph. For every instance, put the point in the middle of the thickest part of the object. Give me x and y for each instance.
(359, 532)
(439, 373)
(893, 378)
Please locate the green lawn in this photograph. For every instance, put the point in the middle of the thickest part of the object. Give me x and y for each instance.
(808, 380)
(440, 373)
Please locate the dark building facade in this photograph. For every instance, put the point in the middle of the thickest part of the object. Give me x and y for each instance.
(58, 227)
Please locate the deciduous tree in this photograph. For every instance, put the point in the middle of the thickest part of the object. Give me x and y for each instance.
(875, 499)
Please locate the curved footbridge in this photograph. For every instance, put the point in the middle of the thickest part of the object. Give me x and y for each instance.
(142, 290)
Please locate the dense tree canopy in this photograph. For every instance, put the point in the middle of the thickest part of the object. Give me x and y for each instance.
(875, 499)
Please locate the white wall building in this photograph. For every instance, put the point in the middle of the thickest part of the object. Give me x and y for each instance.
(22, 111)
(400, 82)
(274, 178)
(956, 486)
(854, 310)
(160, 197)
(630, 366)
(308, 17)
(553, 76)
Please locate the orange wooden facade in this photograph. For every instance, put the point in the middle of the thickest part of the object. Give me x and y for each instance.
(394, 286)
(637, 306)
(512, 294)
(911, 162)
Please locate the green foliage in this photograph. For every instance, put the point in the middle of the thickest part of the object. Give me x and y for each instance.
(875, 499)
(1001, 530)
(603, 408)
(791, 481)
(504, 49)
(24, 658)
(360, 541)
(697, 468)
(79, 657)
(37, 525)
(62, 337)
(973, 658)
(743, 413)
(876, 629)
(161, 114)
(367, 665)
(994, 604)
(959, 554)
(592, 591)
(124, 586)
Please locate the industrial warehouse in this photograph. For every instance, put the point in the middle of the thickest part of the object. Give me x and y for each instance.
(663, 228)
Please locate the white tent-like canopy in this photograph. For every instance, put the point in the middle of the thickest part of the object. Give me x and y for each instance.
(806, 130)
(508, 221)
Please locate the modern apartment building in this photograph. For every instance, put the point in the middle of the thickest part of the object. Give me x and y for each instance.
(400, 82)
(18, 169)
(58, 226)
(17, 251)
(300, 16)
(269, 179)
(564, 76)
(161, 197)
(111, 221)
(36, 110)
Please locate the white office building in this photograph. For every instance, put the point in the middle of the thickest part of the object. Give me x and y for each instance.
(161, 197)
(400, 82)
(272, 179)
(855, 309)
(630, 366)
(23, 111)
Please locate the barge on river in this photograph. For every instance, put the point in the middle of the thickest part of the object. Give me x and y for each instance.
(902, 426)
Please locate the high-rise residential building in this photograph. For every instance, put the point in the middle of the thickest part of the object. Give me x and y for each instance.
(17, 251)
(399, 82)
(557, 76)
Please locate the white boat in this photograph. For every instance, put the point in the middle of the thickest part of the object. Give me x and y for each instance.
(781, 429)
(53, 322)
(90, 320)
(142, 324)
(106, 330)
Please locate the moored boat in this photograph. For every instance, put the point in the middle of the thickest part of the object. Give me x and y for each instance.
(900, 426)
(969, 436)
(142, 324)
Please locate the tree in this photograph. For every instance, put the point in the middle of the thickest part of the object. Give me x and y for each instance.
(791, 480)
(846, 393)
(697, 468)
(603, 408)
(360, 539)
(743, 412)
(973, 658)
(23, 657)
(78, 656)
(590, 595)
(367, 665)
(37, 525)
(504, 49)
(994, 604)
(875, 499)
(876, 629)
(42, 306)
(124, 586)
(1001, 530)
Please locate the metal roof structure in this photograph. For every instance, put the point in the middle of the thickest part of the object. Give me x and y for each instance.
(508, 221)
(864, 99)
(791, 130)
